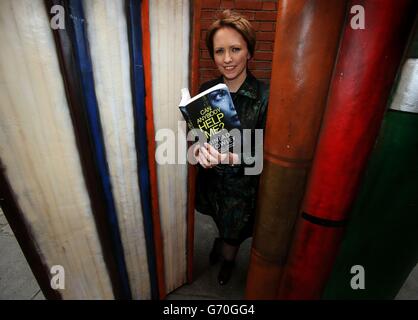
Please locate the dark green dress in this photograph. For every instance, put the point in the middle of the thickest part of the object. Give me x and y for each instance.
(224, 192)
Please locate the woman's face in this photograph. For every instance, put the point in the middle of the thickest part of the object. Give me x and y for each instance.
(230, 53)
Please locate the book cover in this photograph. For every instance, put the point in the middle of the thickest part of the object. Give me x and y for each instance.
(213, 113)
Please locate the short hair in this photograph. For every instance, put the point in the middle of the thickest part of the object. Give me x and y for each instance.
(235, 21)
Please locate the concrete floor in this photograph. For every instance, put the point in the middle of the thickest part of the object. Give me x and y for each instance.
(205, 284)
(18, 282)
(16, 279)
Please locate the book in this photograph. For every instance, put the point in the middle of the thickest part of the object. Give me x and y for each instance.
(212, 112)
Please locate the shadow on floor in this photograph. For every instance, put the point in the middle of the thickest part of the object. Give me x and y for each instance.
(205, 284)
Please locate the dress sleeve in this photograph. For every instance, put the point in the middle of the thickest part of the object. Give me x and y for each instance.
(260, 123)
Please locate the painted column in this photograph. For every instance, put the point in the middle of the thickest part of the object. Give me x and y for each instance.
(306, 44)
(365, 70)
(191, 173)
(150, 129)
(170, 29)
(382, 237)
(39, 150)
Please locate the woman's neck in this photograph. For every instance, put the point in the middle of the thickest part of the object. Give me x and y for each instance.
(235, 84)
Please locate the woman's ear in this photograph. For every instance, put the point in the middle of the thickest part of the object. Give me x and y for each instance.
(248, 56)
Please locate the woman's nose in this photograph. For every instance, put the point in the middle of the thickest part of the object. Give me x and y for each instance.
(227, 57)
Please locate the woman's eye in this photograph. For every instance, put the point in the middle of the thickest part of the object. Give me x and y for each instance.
(219, 51)
(236, 49)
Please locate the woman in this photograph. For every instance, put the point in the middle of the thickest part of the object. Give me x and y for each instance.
(223, 190)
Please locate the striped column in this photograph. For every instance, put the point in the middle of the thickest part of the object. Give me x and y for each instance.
(150, 132)
(87, 65)
(170, 29)
(39, 150)
(191, 173)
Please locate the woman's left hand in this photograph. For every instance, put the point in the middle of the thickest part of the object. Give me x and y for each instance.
(210, 157)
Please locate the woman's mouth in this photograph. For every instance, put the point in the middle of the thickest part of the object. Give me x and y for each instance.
(229, 68)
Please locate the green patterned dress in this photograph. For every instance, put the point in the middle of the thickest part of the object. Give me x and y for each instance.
(225, 192)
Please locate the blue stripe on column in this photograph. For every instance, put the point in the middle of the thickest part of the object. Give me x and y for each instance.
(138, 95)
(83, 62)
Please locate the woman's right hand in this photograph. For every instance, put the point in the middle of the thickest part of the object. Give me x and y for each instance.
(201, 155)
(208, 157)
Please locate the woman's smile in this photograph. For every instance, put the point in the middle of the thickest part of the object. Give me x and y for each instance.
(229, 68)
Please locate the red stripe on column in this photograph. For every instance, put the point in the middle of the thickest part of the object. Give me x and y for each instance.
(191, 172)
(158, 239)
(316, 256)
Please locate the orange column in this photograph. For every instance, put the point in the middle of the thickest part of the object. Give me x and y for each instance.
(306, 44)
